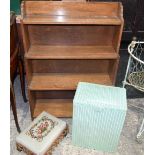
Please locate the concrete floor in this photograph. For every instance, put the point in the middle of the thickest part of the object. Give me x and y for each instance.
(127, 145)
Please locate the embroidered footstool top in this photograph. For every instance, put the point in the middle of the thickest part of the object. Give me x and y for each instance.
(41, 134)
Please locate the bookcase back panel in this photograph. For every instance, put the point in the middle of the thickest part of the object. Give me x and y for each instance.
(70, 66)
(71, 34)
(67, 94)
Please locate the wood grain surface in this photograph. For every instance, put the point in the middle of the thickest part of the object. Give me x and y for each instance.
(66, 43)
(48, 12)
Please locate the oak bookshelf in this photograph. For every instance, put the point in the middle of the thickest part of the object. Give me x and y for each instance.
(65, 43)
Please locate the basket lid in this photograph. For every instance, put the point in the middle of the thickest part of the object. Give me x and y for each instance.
(100, 96)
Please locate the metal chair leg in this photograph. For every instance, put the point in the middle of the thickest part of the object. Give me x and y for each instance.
(140, 132)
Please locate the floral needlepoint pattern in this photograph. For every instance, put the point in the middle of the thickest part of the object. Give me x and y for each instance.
(42, 128)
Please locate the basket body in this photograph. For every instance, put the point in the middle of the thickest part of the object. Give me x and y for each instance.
(98, 116)
(135, 68)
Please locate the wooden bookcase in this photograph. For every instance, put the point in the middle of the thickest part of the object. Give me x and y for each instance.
(68, 42)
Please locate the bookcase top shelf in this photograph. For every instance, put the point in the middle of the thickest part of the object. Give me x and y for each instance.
(52, 12)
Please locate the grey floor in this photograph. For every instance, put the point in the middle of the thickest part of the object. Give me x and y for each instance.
(127, 145)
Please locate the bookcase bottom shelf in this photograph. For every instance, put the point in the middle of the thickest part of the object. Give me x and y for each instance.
(56, 107)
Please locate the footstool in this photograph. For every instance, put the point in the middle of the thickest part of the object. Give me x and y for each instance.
(98, 116)
(42, 136)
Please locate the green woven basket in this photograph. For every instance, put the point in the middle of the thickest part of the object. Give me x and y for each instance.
(98, 116)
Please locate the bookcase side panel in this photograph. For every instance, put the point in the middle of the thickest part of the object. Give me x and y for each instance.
(25, 34)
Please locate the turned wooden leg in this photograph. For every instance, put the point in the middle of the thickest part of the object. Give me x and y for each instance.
(13, 105)
(19, 147)
(22, 78)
